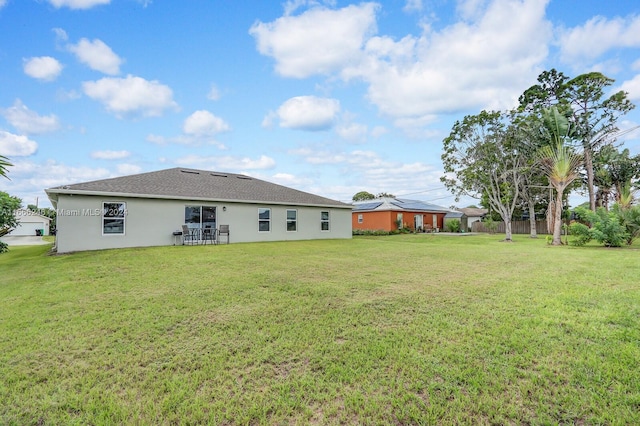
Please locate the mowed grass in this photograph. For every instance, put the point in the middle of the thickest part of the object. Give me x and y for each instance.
(407, 329)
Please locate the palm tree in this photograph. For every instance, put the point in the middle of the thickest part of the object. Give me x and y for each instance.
(4, 163)
(559, 163)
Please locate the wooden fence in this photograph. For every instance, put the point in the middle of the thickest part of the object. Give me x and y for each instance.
(517, 227)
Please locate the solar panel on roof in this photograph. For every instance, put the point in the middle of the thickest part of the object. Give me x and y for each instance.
(367, 206)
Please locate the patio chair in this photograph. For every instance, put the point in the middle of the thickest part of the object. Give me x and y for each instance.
(224, 230)
(190, 235)
(209, 234)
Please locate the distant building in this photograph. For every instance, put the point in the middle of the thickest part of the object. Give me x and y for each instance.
(30, 223)
(388, 214)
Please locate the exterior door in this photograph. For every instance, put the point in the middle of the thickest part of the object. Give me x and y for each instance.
(200, 217)
(417, 222)
(435, 221)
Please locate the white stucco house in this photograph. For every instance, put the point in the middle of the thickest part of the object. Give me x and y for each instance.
(30, 223)
(147, 209)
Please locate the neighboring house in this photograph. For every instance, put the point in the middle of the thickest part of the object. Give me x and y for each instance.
(386, 213)
(473, 215)
(30, 223)
(146, 209)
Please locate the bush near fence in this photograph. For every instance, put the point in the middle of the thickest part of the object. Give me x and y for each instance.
(517, 227)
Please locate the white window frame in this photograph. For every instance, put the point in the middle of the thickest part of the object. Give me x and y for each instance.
(123, 218)
(360, 218)
(327, 221)
(260, 220)
(294, 220)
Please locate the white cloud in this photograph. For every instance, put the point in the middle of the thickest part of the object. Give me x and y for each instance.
(598, 35)
(319, 41)
(378, 131)
(483, 62)
(480, 64)
(61, 35)
(2, 3)
(203, 123)
(43, 68)
(379, 174)
(632, 87)
(97, 55)
(16, 145)
(77, 4)
(412, 5)
(131, 96)
(353, 132)
(63, 95)
(308, 113)
(29, 122)
(110, 155)
(128, 169)
(227, 162)
(214, 93)
(28, 178)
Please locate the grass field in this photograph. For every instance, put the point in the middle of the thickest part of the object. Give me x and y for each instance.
(407, 329)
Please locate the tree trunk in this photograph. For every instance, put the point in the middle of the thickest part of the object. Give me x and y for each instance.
(533, 232)
(557, 220)
(588, 166)
(551, 214)
(507, 230)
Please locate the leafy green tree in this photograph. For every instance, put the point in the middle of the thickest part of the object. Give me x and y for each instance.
(559, 163)
(363, 195)
(535, 189)
(4, 163)
(8, 220)
(593, 116)
(482, 159)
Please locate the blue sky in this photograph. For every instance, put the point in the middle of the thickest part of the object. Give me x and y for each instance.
(330, 97)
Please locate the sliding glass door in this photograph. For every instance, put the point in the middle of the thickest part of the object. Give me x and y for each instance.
(200, 217)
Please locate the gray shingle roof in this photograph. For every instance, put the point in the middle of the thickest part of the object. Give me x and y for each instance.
(182, 183)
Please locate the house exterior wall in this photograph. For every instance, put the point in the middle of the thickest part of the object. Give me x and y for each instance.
(386, 220)
(151, 222)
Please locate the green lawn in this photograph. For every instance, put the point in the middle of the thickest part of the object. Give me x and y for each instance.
(406, 329)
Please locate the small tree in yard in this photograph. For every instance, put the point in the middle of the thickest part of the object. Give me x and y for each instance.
(606, 228)
(481, 158)
(559, 163)
(8, 221)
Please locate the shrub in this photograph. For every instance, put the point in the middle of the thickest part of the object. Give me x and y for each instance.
(491, 225)
(605, 227)
(630, 219)
(452, 225)
(582, 233)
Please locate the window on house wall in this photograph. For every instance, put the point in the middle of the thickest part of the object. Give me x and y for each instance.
(360, 218)
(113, 218)
(324, 221)
(292, 220)
(264, 220)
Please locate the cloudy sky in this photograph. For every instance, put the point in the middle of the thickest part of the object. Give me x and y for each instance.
(326, 96)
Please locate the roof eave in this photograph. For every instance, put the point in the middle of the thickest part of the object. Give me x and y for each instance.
(61, 191)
